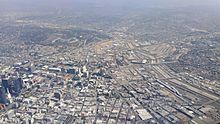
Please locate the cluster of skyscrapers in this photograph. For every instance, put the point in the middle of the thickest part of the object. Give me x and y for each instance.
(10, 86)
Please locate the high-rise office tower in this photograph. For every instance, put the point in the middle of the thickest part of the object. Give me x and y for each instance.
(5, 84)
(16, 86)
(3, 99)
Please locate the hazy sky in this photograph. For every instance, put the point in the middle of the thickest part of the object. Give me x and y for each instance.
(106, 3)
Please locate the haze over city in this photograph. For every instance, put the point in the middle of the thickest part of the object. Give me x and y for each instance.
(109, 61)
